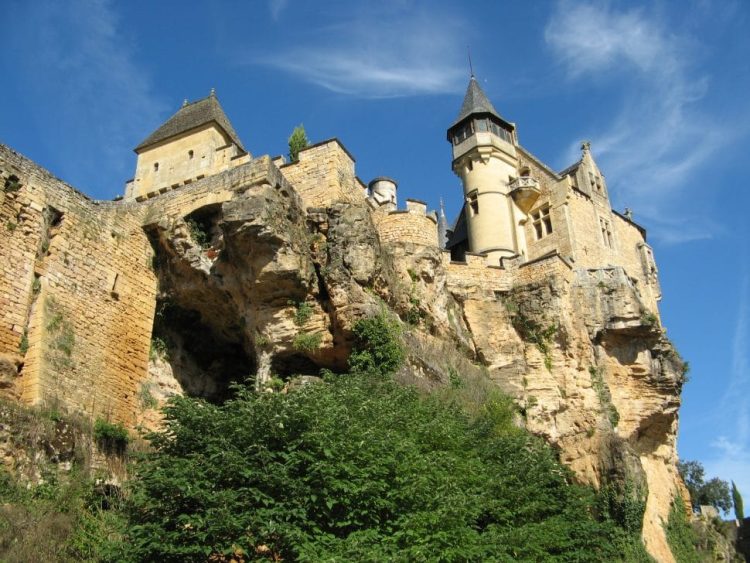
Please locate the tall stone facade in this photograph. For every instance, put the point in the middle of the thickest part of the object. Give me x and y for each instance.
(256, 268)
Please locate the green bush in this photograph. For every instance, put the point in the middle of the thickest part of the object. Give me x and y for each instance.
(198, 232)
(378, 348)
(357, 469)
(111, 438)
(307, 341)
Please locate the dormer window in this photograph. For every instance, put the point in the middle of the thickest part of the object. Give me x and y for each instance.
(156, 166)
(190, 154)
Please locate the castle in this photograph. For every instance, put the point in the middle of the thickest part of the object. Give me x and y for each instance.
(216, 265)
(92, 258)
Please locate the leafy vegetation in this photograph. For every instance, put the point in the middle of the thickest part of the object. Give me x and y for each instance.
(681, 538)
(297, 141)
(110, 437)
(302, 313)
(357, 469)
(378, 348)
(714, 492)
(198, 233)
(605, 399)
(307, 341)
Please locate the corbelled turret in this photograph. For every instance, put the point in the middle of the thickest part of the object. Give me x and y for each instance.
(484, 157)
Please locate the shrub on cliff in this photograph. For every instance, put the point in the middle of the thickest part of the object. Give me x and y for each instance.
(378, 348)
(358, 468)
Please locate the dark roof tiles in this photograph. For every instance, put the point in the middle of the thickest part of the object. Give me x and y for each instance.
(190, 116)
(475, 101)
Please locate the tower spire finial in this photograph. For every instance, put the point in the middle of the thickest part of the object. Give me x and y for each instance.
(213, 92)
(471, 67)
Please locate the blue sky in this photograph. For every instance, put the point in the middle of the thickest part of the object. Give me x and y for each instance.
(660, 88)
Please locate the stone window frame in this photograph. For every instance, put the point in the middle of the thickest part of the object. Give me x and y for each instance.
(541, 220)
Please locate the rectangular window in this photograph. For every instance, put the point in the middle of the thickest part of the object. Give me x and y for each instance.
(542, 222)
(606, 229)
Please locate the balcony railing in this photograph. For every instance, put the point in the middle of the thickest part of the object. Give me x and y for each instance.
(524, 182)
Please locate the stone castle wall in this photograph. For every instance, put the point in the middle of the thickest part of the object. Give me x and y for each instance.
(412, 225)
(77, 290)
(324, 174)
(77, 296)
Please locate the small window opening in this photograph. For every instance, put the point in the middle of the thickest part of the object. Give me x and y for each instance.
(156, 166)
(525, 172)
(606, 229)
(542, 222)
(474, 203)
(191, 154)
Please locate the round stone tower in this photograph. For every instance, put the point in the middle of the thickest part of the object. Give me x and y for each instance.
(484, 157)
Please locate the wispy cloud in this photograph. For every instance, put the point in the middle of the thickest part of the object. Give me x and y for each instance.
(733, 449)
(276, 7)
(660, 136)
(408, 54)
(103, 100)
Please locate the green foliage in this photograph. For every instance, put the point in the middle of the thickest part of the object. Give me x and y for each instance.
(681, 538)
(60, 339)
(378, 348)
(159, 349)
(146, 399)
(624, 506)
(303, 312)
(111, 438)
(297, 141)
(649, 319)
(714, 492)
(357, 469)
(307, 341)
(198, 233)
(23, 345)
(11, 226)
(67, 521)
(605, 399)
(739, 510)
(531, 331)
(12, 184)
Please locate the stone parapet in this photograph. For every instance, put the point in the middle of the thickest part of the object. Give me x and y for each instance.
(412, 225)
(324, 174)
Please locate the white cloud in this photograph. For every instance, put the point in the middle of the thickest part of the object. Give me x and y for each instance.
(103, 100)
(660, 137)
(394, 54)
(276, 7)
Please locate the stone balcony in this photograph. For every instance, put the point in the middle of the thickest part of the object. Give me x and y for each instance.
(525, 191)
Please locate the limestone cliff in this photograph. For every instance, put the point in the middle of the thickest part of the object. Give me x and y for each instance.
(246, 275)
(274, 292)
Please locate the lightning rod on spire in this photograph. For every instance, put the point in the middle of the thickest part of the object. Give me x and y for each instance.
(471, 67)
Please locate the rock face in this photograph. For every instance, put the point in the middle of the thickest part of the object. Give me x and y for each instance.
(273, 291)
(244, 276)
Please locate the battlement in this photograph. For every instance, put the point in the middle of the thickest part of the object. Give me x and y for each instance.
(411, 225)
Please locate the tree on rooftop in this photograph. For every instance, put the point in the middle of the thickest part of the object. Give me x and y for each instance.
(297, 141)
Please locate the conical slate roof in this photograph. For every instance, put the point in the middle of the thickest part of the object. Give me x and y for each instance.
(475, 101)
(190, 116)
